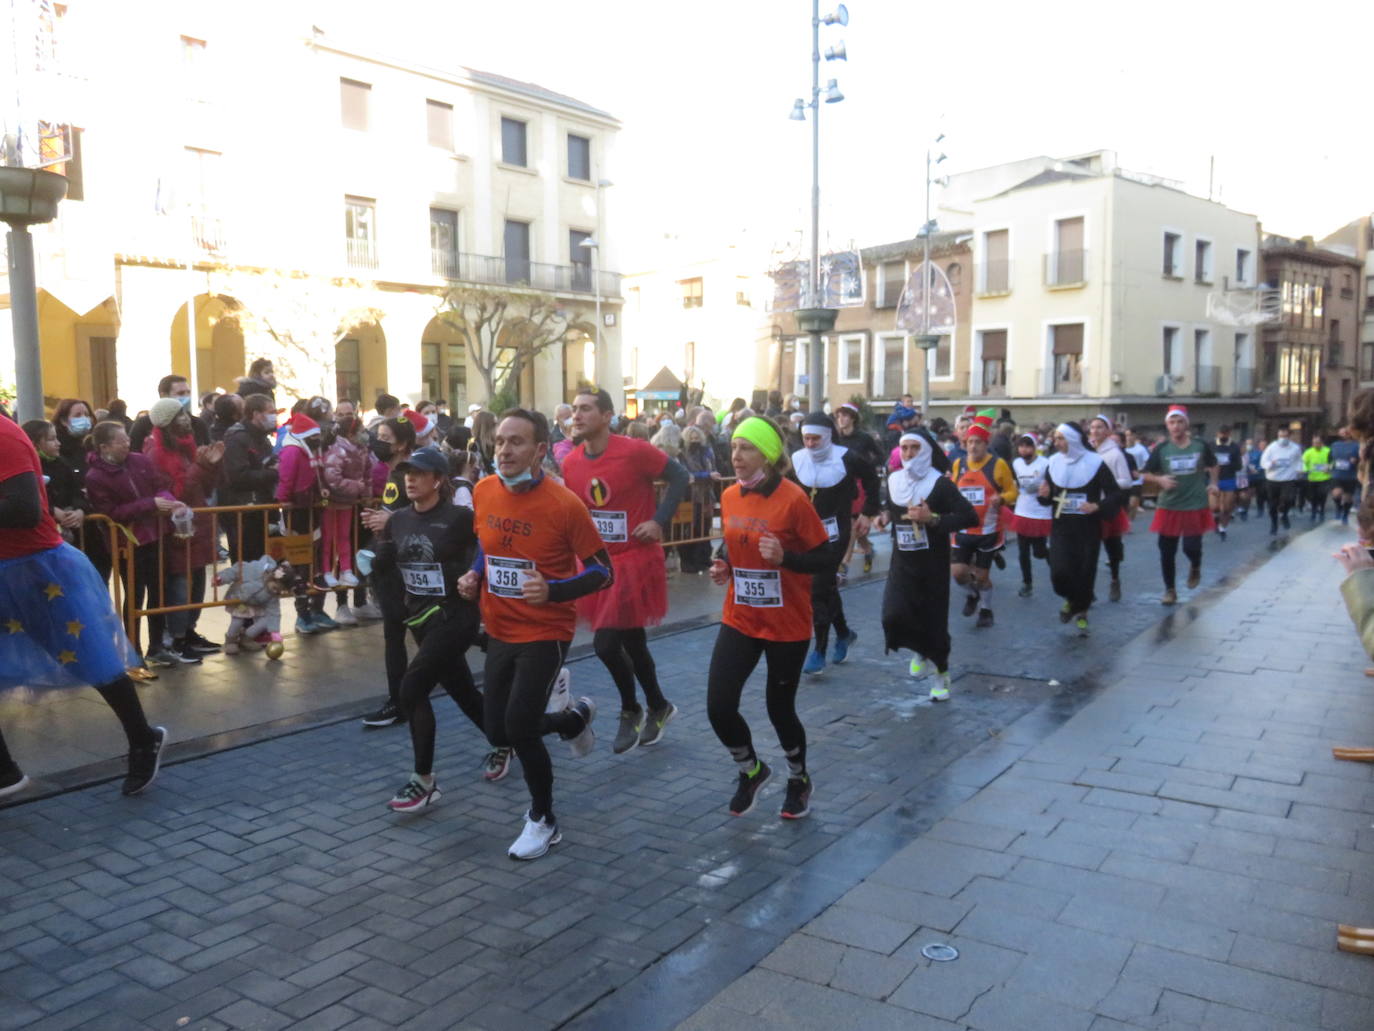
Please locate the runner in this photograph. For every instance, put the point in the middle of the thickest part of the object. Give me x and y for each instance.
(833, 479)
(773, 544)
(1316, 462)
(1230, 466)
(57, 625)
(1186, 471)
(864, 447)
(531, 532)
(1029, 520)
(987, 482)
(1345, 481)
(925, 509)
(1282, 466)
(1136, 448)
(1084, 494)
(1114, 524)
(1258, 490)
(429, 544)
(614, 476)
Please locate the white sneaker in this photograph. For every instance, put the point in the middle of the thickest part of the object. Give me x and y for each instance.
(585, 740)
(368, 610)
(939, 690)
(347, 579)
(331, 580)
(535, 840)
(344, 616)
(560, 697)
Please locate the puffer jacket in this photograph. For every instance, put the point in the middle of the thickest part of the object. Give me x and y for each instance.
(347, 472)
(126, 493)
(298, 468)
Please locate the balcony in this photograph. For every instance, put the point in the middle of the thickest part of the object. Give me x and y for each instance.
(361, 253)
(994, 278)
(1066, 268)
(577, 278)
(1208, 380)
(208, 233)
(444, 262)
(1246, 381)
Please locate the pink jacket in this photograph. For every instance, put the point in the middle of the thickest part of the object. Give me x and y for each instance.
(297, 473)
(347, 472)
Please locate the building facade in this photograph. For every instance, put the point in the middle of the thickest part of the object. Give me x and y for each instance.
(1356, 240)
(318, 212)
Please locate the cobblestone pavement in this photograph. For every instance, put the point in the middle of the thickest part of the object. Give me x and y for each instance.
(267, 886)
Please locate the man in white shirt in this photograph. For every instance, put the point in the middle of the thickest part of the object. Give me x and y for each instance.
(1282, 465)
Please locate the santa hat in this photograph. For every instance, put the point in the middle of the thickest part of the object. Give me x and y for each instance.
(417, 420)
(982, 426)
(302, 426)
(1179, 410)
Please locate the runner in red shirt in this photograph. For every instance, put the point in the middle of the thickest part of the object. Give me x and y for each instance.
(774, 543)
(614, 476)
(57, 626)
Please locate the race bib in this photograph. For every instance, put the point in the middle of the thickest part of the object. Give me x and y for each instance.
(974, 495)
(506, 576)
(1342, 465)
(1071, 502)
(613, 527)
(1223, 459)
(1321, 467)
(1029, 484)
(911, 537)
(1181, 465)
(760, 588)
(832, 528)
(423, 578)
(1282, 463)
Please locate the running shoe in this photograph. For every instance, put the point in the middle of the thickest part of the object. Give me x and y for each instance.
(1221, 532)
(1194, 577)
(497, 764)
(144, 762)
(652, 733)
(627, 731)
(383, 717)
(201, 645)
(939, 691)
(984, 619)
(320, 581)
(747, 793)
(368, 610)
(1170, 597)
(868, 561)
(322, 622)
(160, 658)
(815, 663)
(535, 840)
(347, 579)
(12, 781)
(560, 697)
(1082, 624)
(305, 626)
(970, 604)
(343, 615)
(918, 666)
(1065, 613)
(1025, 591)
(415, 794)
(583, 741)
(842, 574)
(999, 560)
(841, 650)
(182, 652)
(1114, 592)
(797, 802)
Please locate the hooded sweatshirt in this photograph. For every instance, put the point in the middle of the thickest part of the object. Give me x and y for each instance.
(1282, 461)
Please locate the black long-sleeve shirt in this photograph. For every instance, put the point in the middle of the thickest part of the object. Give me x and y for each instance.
(430, 550)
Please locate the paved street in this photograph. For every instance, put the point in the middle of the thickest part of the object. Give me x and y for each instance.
(1162, 839)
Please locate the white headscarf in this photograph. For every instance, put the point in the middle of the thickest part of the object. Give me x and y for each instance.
(913, 482)
(820, 466)
(1073, 468)
(1110, 452)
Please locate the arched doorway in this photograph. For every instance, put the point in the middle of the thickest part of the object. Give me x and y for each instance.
(219, 354)
(444, 365)
(360, 372)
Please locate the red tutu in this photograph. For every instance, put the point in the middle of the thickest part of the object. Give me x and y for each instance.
(638, 597)
(1026, 527)
(1118, 526)
(1193, 522)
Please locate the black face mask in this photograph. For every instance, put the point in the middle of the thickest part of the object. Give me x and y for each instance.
(382, 450)
(345, 424)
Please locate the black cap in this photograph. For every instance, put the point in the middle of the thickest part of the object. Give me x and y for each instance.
(426, 459)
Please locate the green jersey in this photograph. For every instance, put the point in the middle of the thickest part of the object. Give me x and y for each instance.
(1188, 466)
(1316, 462)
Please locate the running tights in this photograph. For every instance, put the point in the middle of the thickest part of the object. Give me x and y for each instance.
(733, 660)
(1168, 552)
(1025, 548)
(1115, 548)
(1281, 495)
(439, 659)
(394, 656)
(518, 681)
(626, 655)
(827, 609)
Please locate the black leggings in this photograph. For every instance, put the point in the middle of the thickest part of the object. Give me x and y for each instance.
(1025, 548)
(439, 659)
(1168, 551)
(1281, 497)
(734, 658)
(827, 608)
(626, 655)
(1316, 497)
(1115, 548)
(119, 695)
(518, 680)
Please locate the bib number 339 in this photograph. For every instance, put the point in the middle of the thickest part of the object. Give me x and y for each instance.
(506, 576)
(760, 588)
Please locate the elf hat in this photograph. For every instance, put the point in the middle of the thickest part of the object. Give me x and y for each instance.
(1179, 410)
(982, 427)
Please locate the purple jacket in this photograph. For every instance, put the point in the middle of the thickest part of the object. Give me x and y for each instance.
(126, 493)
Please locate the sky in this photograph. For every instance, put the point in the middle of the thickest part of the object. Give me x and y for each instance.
(1277, 106)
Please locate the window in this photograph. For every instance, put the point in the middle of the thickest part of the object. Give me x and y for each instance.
(995, 275)
(444, 373)
(516, 240)
(193, 67)
(1202, 261)
(513, 143)
(1173, 256)
(1206, 374)
(691, 292)
(801, 350)
(1367, 361)
(1335, 352)
(354, 98)
(852, 347)
(742, 292)
(1243, 263)
(1369, 295)
(1245, 363)
(360, 231)
(993, 343)
(348, 370)
(1173, 354)
(581, 257)
(579, 158)
(1067, 264)
(202, 178)
(1066, 345)
(59, 150)
(439, 124)
(892, 278)
(443, 245)
(890, 365)
(1318, 312)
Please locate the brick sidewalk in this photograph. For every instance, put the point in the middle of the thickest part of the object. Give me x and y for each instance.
(1176, 855)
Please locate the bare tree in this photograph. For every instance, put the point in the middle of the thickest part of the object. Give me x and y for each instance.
(505, 329)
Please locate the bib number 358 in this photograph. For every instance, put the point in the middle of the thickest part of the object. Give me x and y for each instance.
(506, 576)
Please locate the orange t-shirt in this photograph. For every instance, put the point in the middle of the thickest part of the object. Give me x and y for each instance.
(546, 529)
(773, 603)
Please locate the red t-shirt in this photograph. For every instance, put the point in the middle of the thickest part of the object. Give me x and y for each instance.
(617, 486)
(545, 529)
(17, 456)
(774, 603)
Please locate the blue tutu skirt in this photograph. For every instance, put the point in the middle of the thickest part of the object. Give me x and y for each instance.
(58, 627)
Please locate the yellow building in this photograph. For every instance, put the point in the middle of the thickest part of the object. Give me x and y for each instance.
(240, 189)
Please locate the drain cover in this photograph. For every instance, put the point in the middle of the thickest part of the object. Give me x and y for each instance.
(939, 953)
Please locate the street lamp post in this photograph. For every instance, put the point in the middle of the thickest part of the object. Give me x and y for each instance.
(28, 196)
(926, 340)
(594, 245)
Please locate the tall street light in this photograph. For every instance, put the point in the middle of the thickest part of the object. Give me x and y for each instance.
(927, 341)
(818, 319)
(28, 196)
(594, 245)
